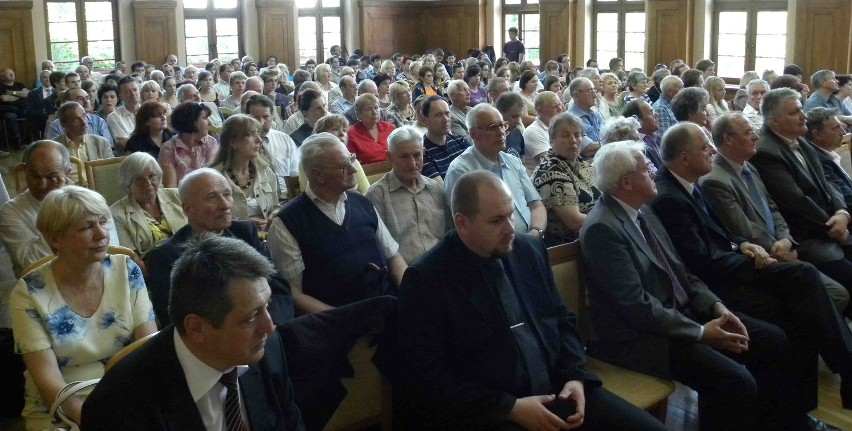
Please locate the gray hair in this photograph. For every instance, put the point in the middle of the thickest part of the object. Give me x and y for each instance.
(615, 160)
(819, 77)
(558, 121)
(157, 74)
(574, 86)
(508, 101)
(689, 101)
(235, 76)
(151, 85)
(620, 129)
(722, 126)
(633, 78)
(658, 75)
(313, 149)
(748, 77)
(754, 83)
(676, 140)
(589, 73)
(465, 193)
(471, 118)
(182, 90)
(402, 135)
(455, 85)
(363, 86)
(63, 207)
(29, 151)
(544, 98)
(669, 81)
(201, 277)
(772, 101)
(494, 82)
(66, 108)
(818, 118)
(183, 185)
(133, 165)
(81, 68)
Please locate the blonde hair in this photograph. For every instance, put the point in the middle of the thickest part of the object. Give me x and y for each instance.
(63, 207)
(713, 84)
(152, 86)
(396, 89)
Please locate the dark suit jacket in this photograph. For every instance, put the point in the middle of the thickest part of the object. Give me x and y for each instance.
(39, 107)
(806, 201)
(147, 391)
(708, 249)
(160, 260)
(728, 195)
(457, 347)
(630, 295)
(836, 176)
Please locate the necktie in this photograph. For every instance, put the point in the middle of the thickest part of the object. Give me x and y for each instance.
(233, 416)
(759, 200)
(699, 199)
(680, 295)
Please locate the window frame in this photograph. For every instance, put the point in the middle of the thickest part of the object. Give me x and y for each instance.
(318, 12)
(82, 39)
(622, 8)
(751, 7)
(210, 14)
(525, 7)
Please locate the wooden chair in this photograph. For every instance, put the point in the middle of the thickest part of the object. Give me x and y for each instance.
(102, 176)
(641, 390)
(126, 351)
(375, 171)
(20, 174)
(37, 264)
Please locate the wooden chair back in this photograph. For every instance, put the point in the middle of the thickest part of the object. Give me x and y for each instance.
(102, 176)
(126, 351)
(375, 171)
(368, 400)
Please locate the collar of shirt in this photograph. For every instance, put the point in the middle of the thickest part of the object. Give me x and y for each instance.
(336, 212)
(200, 377)
(686, 184)
(73, 144)
(181, 143)
(632, 213)
(485, 161)
(394, 183)
(834, 156)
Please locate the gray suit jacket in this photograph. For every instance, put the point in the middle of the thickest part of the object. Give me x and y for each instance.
(631, 299)
(728, 195)
(803, 196)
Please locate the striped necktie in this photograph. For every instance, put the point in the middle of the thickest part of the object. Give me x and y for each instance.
(233, 416)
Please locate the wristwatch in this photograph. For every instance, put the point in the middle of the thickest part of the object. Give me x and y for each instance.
(539, 230)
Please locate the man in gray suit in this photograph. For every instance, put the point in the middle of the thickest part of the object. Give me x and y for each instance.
(735, 192)
(650, 315)
(790, 167)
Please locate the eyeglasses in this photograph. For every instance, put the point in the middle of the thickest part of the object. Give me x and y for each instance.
(647, 170)
(748, 132)
(495, 127)
(153, 179)
(350, 164)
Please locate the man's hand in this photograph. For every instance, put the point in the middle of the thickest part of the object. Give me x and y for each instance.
(783, 251)
(758, 254)
(726, 333)
(531, 414)
(837, 227)
(574, 390)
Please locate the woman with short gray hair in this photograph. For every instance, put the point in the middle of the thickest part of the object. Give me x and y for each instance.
(149, 214)
(368, 138)
(620, 129)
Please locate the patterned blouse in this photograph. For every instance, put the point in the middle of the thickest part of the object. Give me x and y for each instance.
(561, 183)
(396, 117)
(187, 157)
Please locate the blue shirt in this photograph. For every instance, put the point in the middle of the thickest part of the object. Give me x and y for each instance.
(592, 122)
(95, 126)
(510, 169)
(663, 108)
(819, 100)
(437, 158)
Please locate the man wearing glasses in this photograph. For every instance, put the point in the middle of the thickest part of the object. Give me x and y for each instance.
(488, 132)
(329, 243)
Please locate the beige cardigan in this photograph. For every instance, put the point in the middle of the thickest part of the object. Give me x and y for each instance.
(132, 227)
(265, 189)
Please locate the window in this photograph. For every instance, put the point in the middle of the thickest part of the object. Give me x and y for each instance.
(750, 36)
(320, 28)
(78, 28)
(619, 31)
(523, 15)
(212, 30)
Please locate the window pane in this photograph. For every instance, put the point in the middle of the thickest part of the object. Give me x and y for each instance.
(730, 44)
(606, 36)
(532, 1)
(61, 12)
(227, 27)
(197, 46)
(195, 4)
(307, 38)
(306, 4)
(771, 41)
(65, 52)
(103, 53)
(98, 11)
(512, 2)
(197, 43)
(330, 33)
(634, 40)
(196, 27)
(100, 30)
(63, 31)
(730, 66)
(530, 36)
(224, 4)
(733, 22)
(772, 22)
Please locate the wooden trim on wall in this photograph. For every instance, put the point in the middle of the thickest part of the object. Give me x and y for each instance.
(277, 31)
(669, 30)
(823, 36)
(156, 30)
(17, 46)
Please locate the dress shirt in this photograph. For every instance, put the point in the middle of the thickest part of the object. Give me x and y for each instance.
(285, 153)
(821, 100)
(510, 170)
(95, 125)
(536, 141)
(121, 123)
(754, 117)
(340, 105)
(834, 158)
(223, 89)
(284, 249)
(592, 122)
(415, 218)
(663, 108)
(204, 386)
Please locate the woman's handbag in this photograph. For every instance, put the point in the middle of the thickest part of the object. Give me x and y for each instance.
(60, 419)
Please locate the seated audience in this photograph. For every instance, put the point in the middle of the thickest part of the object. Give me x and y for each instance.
(327, 266)
(13, 97)
(670, 86)
(648, 127)
(473, 79)
(610, 101)
(170, 92)
(410, 204)
(527, 86)
(620, 129)
(122, 122)
(237, 81)
(755, 90)
(690, 104)
(426, 83)
(497, 86)
(152, 129)
(383, 82)
(205, 88)
(826, 132)
(95, 125)
(692, 78)
(279, 149)
(39, 103)
(188, 93)
(825, 87)
(488, 131)
(368, 138)
(108, 98)
(463, 369)
(192, 147)
(717, 106)
(440, 147)
(583, 96)
(80, 144)
(337, 125)
(637, 87)
(536, 135)
(657, 78)
(322, 76)
(459, 95)
(72, 314)
(222, 351)
(348, 90)
(741, 97)
(149, 214)
(150, 92)
(401, 111)
(312, 107)
(566, 184)
(254, 186)
(511, 107)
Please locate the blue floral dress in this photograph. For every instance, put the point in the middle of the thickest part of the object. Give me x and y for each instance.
(41, 320)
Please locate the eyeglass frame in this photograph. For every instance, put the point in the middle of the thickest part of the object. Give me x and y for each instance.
(504, 126)
(350, 164)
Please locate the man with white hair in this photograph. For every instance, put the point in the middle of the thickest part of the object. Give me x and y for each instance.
(329, 243)
(669, 87)
(536, 135)
(755, 90)
(190, 73)
(89, 62)
(459, 95)
(410, 204)
(95, 124)
(488, 132)
(496, 87)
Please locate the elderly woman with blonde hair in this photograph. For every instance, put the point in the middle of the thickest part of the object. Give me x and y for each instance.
(323, 78)
(72, 314)
(254, 185)
(368, 138)
(149, 214)
(401, 110)
(150, 90)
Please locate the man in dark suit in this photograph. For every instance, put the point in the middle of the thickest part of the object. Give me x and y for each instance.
(735, 192)
(826, 133)
(650, 315)
(744, 275)
(206, 201)
(221, 366)
(486, 342)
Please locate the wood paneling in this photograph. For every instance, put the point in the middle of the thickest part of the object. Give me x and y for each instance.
(413, 27)
(670, 26)
(557, 29)
(277, 30)
(156, 30)
(17, 51)
(823, 35)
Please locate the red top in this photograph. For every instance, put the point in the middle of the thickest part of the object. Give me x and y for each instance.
(362, 144)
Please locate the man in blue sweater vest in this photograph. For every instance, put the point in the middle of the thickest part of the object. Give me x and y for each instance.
(329, 243)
